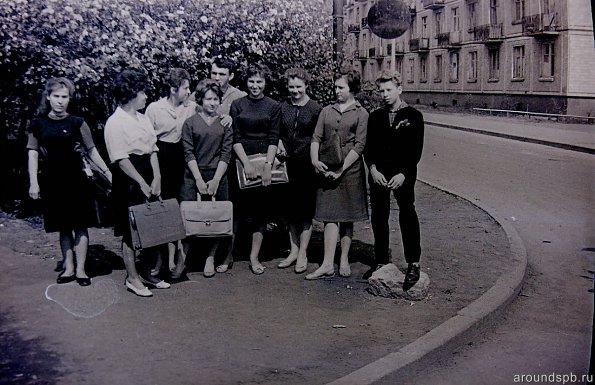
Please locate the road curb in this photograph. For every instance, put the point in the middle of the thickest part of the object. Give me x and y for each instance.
(564, 146)
(464, 325)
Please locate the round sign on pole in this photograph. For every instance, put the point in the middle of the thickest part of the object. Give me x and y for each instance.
(389, 19)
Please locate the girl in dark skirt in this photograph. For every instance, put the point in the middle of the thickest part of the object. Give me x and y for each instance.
(256, 120)
(61, 141)
(132, 147)
(298, 119)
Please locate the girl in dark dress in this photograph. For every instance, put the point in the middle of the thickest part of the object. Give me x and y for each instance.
(61, 140)
(256, 119)
(299, 115)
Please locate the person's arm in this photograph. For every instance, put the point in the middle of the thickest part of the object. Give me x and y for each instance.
(200, 183)
(371, 150)
(315, 144)
(360, 142)
(268, 165)
(156, 183)
(213, 184)
(98, 160)
(249, 168)
(33, 167)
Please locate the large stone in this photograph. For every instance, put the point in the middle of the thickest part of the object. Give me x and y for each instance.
(388, 282)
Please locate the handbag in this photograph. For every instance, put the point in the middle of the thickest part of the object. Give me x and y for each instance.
(207, 218)
(278, 171)
(155, 223)
(330, 153)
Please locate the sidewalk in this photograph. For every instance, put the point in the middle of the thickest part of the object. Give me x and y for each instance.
(576, 137)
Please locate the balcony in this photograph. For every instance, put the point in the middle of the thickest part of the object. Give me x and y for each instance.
(432, 4)
(490, 33)
(399, 48)
(376, 53)
(421, 44)
(360, 55)
(364, 22)
(455, 39)
(443, 39)
(541, 25)
(353, 28)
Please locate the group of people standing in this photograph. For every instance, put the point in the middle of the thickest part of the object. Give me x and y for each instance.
(187, 149)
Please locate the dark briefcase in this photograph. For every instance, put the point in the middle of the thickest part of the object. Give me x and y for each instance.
(155, 223)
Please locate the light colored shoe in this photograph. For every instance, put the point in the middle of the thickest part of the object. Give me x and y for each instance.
(157, 284)
(320, 274)
(222, 268)
(286, 263)
(144, 292)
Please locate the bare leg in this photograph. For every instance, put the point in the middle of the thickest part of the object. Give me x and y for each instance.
(331, 235)
(305, 235)
(294, 243)
(181, 263)
(67, 247)
(257, 236)
(129, 257)
(209, 269)
(81, 245)
(171, 251)
(346, 237)
(228, 262)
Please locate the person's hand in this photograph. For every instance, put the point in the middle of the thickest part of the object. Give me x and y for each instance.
(396, 181)
(281, 150)
(250, 170)
(267, 174)
(202, 187)
(146, 189)
(108, 174)
(402, 123)
(213, 186)
(334, 175)
(156, 186)
(378, 177)
(226, 120)
(34, 191)
(320, 167)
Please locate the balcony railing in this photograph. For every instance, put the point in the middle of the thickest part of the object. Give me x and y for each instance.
(399, 48)
(488, 33)
(456, 38)
(432, 4)
(353, 28)
(364, 22)
(443, 39)
(360, 55)
(421, 44)
(376, 53)
(541, 24)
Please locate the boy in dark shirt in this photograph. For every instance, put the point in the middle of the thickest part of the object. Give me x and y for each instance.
(393, 149)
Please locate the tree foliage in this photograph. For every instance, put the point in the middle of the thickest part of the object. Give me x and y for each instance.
(90, 41)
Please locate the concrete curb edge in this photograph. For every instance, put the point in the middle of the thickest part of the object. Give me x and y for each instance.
(449, 334)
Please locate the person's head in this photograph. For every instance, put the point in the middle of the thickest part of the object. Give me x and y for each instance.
(129, 87)
(222, 70)
(55, 96)
(256, 79)
(347, 83)
(208, 95)
(297, 80)
(389, 86)
(178, 80)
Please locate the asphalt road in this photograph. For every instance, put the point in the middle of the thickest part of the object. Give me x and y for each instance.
(548, 195)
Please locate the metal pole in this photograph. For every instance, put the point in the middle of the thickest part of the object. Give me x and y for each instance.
(338, 31)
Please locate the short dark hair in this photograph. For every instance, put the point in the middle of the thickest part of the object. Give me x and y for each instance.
(353, 78)
(299, 73)
(205, 86)
(128, 84)
(258, 70)
(176, 76)
(50, 86)
(389, 76)
(222, 62)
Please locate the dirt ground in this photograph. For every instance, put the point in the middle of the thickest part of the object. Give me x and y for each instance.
(235, 328)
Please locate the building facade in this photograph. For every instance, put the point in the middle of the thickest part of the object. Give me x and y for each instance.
(529, 55)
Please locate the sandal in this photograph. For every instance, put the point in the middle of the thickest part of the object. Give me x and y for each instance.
(222, 268)
(258, 270)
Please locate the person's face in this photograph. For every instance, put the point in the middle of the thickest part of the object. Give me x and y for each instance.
(390, 92)
(221, 75)
(342, 89)
(59, 99)
(256, 85)
(210, 103)
(140, 100)
(296, 88)
(183, 92)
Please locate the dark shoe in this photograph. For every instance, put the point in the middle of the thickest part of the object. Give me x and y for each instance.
(411, 277)
(371, 271)
(83, 281)
(65, 279)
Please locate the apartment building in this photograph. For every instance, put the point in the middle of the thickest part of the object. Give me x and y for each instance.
(534, 55)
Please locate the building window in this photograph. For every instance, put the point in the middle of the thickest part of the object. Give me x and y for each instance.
(545, 6)
(423, 69)
(424, 26)
(399, 65)
(471, 16)
(493, 12)
(456, 24)
(494, 70)
(518, 62)
(438, 73)
(454, 66)
(547, 64)
(472, 74)
(518, 10)
(411, 70)
(389, 49)
(412, 27)
(438, 20)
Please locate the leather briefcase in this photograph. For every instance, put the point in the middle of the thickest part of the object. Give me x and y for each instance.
(278, 171)
(155, 223)
(207, 218)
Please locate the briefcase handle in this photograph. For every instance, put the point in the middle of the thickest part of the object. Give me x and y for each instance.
(199, 199)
